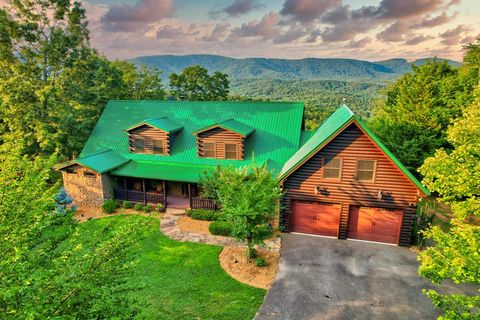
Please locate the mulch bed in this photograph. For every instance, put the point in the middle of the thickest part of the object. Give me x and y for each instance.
(234, 262)
(187, 224)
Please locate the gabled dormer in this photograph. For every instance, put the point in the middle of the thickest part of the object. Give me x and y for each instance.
(223, 140)
(153, 136)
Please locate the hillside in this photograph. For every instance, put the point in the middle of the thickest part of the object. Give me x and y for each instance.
(304, 69)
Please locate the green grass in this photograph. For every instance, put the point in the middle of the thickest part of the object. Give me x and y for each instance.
(182, 280)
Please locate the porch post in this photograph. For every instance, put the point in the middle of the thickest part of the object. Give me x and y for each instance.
(164, 193)
(190, 194)
(144, 192)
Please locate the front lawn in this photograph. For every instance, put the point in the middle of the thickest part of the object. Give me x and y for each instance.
(182, 280)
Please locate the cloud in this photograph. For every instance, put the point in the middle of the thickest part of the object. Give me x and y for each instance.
(170, 32)
(131, 18)
(237, 8)
(395, 32)
(267, 28)
(429, 22)
(361, 43)
(307, 10)
(419, 38)
(292, 34)
(218, 32)
(470, 39)
(453, 36)
(343, 22)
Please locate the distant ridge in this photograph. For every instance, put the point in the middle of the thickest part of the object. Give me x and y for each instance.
(300, 69)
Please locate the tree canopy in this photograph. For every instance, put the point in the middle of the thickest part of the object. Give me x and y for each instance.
(53, 85)
(420, 106)
(195, 84)
(455, 176)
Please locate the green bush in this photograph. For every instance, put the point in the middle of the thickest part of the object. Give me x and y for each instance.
(138, 207)
(260, 262)
(147, 208)
(203, 214)
(220, 228)
(188, 212)
(109, 206)
(160, 207)
(127, 204)
(118, 203)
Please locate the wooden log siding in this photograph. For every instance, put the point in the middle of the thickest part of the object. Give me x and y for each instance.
(350, 145)
(220, 137)
(149, 134)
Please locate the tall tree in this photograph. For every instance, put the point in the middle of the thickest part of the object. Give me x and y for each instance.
(455, 176)
(53, 85)
(195, 84)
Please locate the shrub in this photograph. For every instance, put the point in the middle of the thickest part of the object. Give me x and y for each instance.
(260, 262)
(220, 228)
(138, 207)
(160, 207)
(127, 204)
(147, 208)
(188, 211)
(203, 214)
(118, 203)
(109, 206)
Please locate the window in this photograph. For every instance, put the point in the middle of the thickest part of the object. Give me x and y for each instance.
(365, 170)
(209, 150)
(139, 145)
(71, 170)
(158, 147)
(89, 174)
(230, 151)
(332, 168)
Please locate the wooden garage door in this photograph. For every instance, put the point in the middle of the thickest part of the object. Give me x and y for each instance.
(374, 224)
(315, 217)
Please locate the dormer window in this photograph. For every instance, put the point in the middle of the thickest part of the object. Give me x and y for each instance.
(209, 150)
(158, 146)
(223, 140)
(231, 151)
(153, 136)
(139, 145)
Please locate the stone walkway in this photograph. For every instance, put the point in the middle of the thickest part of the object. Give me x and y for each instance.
(169, 227)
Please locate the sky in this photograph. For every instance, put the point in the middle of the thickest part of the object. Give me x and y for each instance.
(368, 30)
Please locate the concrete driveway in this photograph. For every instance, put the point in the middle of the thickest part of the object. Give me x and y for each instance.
(321, 278)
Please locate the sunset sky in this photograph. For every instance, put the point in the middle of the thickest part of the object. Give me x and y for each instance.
(371, 30)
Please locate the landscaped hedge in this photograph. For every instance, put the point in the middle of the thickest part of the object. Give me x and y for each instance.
(220, 228)
(204, 214)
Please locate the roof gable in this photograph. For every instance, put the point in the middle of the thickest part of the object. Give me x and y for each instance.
(100, 162)
(162, 123)
(231, 125)
(334, 125)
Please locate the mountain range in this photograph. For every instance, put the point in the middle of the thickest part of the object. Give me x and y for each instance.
(299, 69)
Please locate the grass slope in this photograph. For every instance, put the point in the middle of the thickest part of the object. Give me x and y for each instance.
(182, 280)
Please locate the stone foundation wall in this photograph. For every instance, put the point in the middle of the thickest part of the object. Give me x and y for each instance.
(86, 187)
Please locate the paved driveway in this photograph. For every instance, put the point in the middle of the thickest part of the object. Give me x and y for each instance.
(322, 278)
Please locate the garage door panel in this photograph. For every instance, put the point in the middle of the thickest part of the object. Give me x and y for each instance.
(315, 218)
(374, 224)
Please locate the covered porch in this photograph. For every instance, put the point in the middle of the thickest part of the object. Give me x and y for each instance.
(173, 194)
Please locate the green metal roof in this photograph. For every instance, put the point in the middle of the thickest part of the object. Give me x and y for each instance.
(230, 124)
(305, 136)
(100, 162)
(163, 171)
(334, 124)
(162, 123)
(277, 128)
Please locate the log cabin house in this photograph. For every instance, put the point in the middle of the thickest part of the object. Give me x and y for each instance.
(339, 180)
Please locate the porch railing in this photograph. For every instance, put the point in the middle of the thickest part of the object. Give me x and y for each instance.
(202, 203)
(139, 196)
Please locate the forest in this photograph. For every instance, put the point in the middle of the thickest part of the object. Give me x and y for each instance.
(53, 87)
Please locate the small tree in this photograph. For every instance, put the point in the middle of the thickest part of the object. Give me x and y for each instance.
(248, 197)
